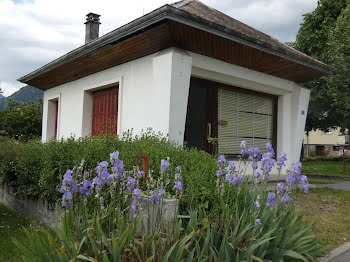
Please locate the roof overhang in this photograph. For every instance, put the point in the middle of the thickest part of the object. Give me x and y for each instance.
(165, 13)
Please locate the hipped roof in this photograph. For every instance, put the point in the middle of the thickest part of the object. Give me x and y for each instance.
(182, 15)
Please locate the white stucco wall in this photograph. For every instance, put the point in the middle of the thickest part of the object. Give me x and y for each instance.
(153, 92)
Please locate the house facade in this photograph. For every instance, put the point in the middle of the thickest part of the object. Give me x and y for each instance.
(185, 70)
(320, 143)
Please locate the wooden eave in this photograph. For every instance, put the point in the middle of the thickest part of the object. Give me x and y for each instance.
(170, 27)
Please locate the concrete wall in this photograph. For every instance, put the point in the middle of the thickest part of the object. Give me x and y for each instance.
(153, 92)
(47, 213)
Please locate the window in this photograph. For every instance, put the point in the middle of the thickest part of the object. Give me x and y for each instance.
(52, 119)
(329, 132)
(244, 116)
(105, 111)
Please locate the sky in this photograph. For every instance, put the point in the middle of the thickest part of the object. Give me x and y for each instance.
(35, 32)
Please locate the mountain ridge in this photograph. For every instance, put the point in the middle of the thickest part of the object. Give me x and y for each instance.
(24, 95)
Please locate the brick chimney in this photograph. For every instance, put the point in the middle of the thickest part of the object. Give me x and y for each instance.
(92, 27)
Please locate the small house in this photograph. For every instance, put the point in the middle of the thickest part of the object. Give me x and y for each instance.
(186, 70)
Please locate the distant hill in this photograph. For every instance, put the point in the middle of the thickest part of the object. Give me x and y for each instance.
(1, 96)
(24, 95)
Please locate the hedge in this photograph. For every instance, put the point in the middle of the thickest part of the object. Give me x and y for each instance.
(36, 169)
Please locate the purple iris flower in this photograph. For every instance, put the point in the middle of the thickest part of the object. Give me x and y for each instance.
(221, 160)
(258, 175)
(130, 185)
(280, 188)
(103, 165)
(256, 205)
(255, 164)
(254, 153)
(294, 177)
(164, 165)
(67, 200)
(243, 147)
(258, 222)
(220, 172)
(178, 168)
(119, 164)
(136, 194)
(229, 178)
(178, 186)
(282, 159)
(85, 188)
(304, 183)
(271, 199)
(98, 182)
(67, 175)
(285, 199)
(68, 184)
(267, 162)
(231, 165)
(269, 149)
(156, 196)
(133, 207)
(113, 156)
(234, 179)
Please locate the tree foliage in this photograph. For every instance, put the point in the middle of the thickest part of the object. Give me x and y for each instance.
(22, 119)
(338, 52)
(315, 38)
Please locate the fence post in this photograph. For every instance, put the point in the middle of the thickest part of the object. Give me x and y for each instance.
(145, 166)
(344, 169)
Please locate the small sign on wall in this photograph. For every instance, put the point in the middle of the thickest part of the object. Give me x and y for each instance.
(223, 122)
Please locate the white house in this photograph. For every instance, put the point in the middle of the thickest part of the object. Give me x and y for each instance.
(186, 70)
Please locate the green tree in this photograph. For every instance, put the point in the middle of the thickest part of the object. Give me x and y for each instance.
(338, 53)
(23, 119)
(313, 38)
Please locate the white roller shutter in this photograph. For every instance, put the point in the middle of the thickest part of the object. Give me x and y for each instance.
(243, 117)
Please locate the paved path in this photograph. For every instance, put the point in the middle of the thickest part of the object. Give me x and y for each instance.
(338, 186)
(345, 257)
(340, 254)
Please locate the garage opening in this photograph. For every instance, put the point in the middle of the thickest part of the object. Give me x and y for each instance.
(220, 116)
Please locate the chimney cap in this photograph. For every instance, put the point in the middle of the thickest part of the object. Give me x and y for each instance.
(92, 17)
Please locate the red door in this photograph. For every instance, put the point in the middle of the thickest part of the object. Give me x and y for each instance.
(56, 117)
(105, 112)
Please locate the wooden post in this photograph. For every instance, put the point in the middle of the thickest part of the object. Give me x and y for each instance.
(344, 162)
(145, 166)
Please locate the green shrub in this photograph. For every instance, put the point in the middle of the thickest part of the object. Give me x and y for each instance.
(36, 169)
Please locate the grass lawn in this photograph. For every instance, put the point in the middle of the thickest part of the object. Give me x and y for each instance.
(330, 211)
(320, 180)
(323, 168)
(11, 224)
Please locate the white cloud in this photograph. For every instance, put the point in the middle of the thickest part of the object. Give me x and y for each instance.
(34, 32)
(9, 87)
